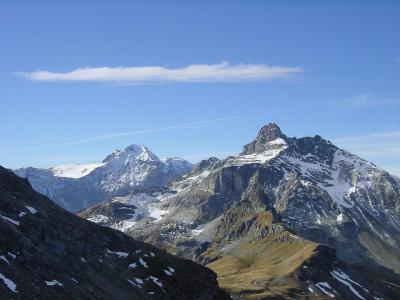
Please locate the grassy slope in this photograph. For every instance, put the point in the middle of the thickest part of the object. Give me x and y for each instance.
(260, 257)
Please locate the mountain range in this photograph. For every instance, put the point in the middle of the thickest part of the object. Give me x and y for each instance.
(286, 218)
(135, 168)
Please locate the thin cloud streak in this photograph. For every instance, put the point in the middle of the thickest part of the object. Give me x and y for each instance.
(133, 133)
(380, 146)
(42, 140)
(222, 72)
(366, 137)
(368, 100)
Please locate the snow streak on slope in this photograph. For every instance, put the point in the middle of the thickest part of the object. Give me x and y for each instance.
(347, 174)
(277, 146)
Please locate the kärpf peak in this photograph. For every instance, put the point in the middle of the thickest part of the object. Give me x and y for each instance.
(269, 137)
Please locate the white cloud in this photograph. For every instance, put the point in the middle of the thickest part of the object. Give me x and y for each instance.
(222, 72)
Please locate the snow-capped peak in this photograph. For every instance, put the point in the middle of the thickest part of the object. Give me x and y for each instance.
(132, 153)
(122, 171)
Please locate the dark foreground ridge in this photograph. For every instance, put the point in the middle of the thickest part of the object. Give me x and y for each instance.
(49, 253)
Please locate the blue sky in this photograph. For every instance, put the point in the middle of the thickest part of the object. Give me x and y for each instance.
(75, 82)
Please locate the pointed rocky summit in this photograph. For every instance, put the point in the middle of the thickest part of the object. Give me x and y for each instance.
(269, 137)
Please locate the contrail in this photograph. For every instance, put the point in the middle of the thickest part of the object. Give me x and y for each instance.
(132, 133)
(42, 140)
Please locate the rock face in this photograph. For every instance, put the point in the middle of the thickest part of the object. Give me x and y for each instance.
(320, 194)
(77, 186)
(269, 137)
(49, 253)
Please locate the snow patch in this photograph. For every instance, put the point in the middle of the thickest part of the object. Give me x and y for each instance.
(345, 279)
(31, 209)
(9, 283)
(118, 253)
(2, 257)
(135, 284)
(75, 171)
(339, 217)
(157, 213)
(197, 231)
(325, 288)
(138, 280)
(123, 225)
(319, 220)
(169, 271)
(145, 155)
(10, 220)
(74, 280)
(278, 141)
(143, 263)
(98, 219)
(53, 283)
(155, 280)
(256, 158)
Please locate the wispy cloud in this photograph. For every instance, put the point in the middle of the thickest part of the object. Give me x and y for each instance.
(222, 72)
(32, 141)
(382, 148)
(130, 133)
(367, 100)
(387, 134)
(378, 145)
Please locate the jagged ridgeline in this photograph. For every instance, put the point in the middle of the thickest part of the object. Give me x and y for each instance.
(49, 253)
(288, 217)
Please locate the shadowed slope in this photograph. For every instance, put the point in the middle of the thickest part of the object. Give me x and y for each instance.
(49, 253)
